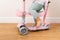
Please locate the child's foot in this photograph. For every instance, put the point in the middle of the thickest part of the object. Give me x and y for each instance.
(38, 22)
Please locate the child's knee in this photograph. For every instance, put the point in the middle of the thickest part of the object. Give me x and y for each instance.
(34, 13)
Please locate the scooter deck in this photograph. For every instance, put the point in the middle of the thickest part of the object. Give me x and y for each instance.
(42, 27)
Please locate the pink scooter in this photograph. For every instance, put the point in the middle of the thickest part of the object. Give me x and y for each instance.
(21, 26)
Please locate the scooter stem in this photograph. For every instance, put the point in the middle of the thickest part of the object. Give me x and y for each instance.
(23, 18)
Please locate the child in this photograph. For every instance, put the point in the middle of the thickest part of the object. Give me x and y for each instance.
(35, 8)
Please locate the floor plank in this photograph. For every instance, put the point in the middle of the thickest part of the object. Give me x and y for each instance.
(9, 31)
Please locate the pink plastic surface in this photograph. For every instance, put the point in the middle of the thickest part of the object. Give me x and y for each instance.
(39, 28)
(19, 24)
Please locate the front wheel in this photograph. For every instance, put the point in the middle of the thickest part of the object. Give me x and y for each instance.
(23, 30)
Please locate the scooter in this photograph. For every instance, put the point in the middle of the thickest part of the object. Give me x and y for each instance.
(22, 27)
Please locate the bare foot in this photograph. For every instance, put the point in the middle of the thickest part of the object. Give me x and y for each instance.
(38, 22)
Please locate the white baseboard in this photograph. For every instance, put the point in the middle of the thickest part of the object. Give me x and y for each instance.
(17, 19)
(14, 19)
(53, 19)
(9, 19)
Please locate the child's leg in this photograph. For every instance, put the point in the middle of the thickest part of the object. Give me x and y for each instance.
(34, 9)
(38, 22)
(36, 18)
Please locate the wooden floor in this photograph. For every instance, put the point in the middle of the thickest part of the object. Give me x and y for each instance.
(10, 32)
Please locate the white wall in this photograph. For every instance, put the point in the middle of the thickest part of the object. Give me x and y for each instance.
(8, 10)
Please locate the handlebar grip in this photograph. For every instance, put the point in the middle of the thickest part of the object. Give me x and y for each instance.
(23, 0)
(49, 2)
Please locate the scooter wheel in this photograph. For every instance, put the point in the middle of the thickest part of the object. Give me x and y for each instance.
(23, 30)
(48, 27)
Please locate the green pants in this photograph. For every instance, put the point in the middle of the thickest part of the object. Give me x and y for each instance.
(35, 9)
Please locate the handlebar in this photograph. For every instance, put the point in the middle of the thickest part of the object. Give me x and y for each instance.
(49, 2)
(23, 0)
